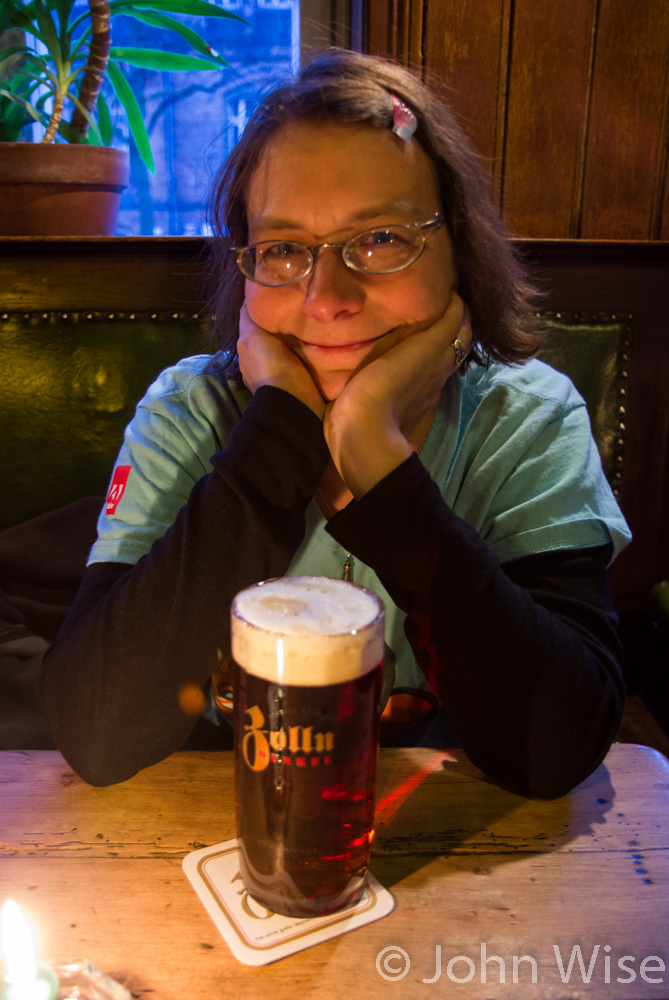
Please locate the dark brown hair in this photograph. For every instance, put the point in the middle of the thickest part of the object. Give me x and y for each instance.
(347, 88)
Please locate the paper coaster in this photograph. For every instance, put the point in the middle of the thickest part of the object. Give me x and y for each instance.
(256, 935)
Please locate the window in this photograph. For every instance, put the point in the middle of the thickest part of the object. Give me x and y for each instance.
(194, 119)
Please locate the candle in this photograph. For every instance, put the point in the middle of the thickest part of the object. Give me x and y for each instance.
(25, 979)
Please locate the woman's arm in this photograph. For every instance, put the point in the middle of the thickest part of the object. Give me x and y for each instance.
(112, 680)
(525, 656)
(368, 427)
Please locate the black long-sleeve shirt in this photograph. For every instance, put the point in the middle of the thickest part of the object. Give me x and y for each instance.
(524, 654)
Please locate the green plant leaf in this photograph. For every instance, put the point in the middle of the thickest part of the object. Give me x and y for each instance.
(25, 84)
(16, 99)
(20, 19)
(12, 120)
(196, 8)
(45, 74)
(6, 54)
(41, 102)
(123, 91)
(73, 135)
(13, 50)
(105, 121)
(64, 10)
(92, 139)
(13, 115)
(75, 24)
(156, 59)
(87, 115)
(48, 31)
(6, 13)
(157, 20)
(83, 41)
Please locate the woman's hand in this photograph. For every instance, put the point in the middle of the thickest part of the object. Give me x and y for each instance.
(394, 397)
(265, 360)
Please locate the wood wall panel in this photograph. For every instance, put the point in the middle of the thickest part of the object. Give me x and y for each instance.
(466, 48)
(664, 207)
(547, 116)
(395, 28)
(566, 100)
(661, 225)
(624, 160)
(377, 17)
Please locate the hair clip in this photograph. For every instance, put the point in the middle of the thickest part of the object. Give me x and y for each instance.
(404, 120)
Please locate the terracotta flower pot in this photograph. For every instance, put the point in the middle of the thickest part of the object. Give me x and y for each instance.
(63, 190)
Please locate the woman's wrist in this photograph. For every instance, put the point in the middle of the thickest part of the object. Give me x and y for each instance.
(366, 451)
(265, 360)
(300, 389)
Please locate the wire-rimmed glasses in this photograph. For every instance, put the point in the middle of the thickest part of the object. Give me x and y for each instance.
(382, 250)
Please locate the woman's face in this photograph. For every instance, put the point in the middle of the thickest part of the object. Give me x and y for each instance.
(318, 184)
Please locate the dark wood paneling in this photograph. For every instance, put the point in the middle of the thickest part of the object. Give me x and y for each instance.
(547, 116)
(662, 227)
(385, 34)
(396, 28)
(466, 47)
(414, 29)
(623, 169)
(97, 273)
(377, 18)
(664, 218)
(577, 145)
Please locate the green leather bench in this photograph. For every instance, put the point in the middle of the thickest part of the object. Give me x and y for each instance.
(72, 380)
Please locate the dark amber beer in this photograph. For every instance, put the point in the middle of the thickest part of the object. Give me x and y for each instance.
(308, 657)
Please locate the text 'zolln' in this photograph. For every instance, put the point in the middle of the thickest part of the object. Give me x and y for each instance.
(296, 744)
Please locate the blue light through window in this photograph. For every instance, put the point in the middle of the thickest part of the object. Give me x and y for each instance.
(194, 119)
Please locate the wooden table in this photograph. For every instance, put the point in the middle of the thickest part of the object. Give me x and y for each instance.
(98, 870)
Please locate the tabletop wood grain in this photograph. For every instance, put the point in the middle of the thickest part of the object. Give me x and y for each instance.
(470, 865)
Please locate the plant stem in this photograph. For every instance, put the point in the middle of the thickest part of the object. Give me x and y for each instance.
(56, 115)
(96, 64)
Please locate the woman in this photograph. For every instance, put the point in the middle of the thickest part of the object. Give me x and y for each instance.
(368, 298)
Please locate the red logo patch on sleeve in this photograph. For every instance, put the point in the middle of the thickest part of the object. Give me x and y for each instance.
(117, 488)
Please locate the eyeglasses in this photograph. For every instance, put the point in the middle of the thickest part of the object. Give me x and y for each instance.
(374, 251)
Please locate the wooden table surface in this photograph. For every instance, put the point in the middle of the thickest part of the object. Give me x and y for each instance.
(98, 871)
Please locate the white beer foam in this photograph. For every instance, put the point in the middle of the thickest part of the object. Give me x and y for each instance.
(307, 630)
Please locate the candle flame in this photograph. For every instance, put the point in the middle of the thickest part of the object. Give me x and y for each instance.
(19, 950)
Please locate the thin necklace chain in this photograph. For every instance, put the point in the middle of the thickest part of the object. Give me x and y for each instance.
(330, 511)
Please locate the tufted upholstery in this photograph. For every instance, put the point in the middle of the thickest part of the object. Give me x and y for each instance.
(71, 381)
(70, 384)
(593, 349)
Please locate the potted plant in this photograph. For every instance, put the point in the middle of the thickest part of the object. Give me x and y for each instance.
(70, 182)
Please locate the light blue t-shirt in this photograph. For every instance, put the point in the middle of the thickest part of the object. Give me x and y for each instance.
(510, 449)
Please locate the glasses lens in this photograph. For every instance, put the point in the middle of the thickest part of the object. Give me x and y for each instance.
(277, 263)
(381, 251)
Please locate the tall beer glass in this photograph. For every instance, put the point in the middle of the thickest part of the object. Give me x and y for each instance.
(308, 657)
